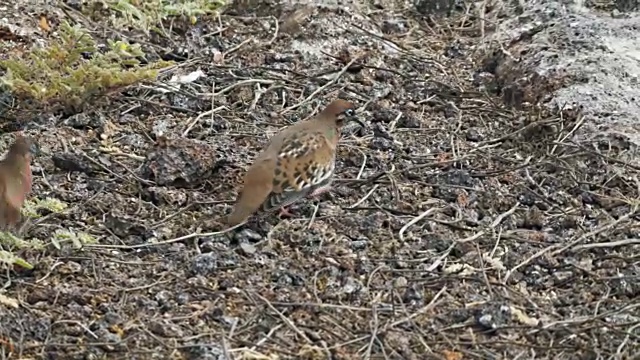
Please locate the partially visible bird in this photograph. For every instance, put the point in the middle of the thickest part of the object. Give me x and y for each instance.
(298, 162)
(15, 181)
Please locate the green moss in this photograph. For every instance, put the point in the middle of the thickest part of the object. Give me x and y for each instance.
(13, 243)
(58, 239)
(147, 15)
(10, 259)
(31, 207)
(72, 70)
(8, 240)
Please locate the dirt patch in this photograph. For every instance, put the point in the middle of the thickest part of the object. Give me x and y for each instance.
(458, 229)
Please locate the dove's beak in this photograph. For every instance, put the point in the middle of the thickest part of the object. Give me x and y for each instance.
(357, 120)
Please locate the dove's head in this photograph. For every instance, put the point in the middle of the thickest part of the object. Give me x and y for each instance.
(339, 112)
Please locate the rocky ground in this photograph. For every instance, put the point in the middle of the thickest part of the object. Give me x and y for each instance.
(471, 219)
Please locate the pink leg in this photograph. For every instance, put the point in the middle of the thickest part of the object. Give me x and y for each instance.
(284, 211)
(319, 191)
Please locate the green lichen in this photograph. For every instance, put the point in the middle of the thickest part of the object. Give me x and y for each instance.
(10, 241)
(71, 70)
(77, 239)
(148, 15)
(31, 207)
(9, 258)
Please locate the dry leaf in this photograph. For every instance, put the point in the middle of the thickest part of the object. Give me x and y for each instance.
(9, 301)
(44, 24)
(8, 345)
(218, 57)
(452, 355)
(290, 23)
(524, 318)
(115, 329)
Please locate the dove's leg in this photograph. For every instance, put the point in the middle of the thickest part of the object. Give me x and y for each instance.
(320, 190)
(284, 211)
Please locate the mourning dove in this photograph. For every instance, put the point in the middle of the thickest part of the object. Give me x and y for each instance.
(298, 162)
(15, 181)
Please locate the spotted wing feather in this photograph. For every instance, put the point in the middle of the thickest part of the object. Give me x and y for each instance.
(304, 162)
(299, 146)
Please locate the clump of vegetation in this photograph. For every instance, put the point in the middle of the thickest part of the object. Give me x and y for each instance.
(10, 243)
(77, 239)
(73, 70)
(147, 15)
(31, 207)
(8, 257)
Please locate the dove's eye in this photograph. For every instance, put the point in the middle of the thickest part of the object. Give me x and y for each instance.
(349, 112)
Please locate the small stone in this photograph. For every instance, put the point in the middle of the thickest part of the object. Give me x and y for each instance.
(400, 282)
(473, 135)
(247, 235)
(408, 121)
(380, 143)
(204, 264)
(562, 277)
(359, 244)
(248, 248)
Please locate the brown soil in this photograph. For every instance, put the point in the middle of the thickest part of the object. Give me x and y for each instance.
(458, 229)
